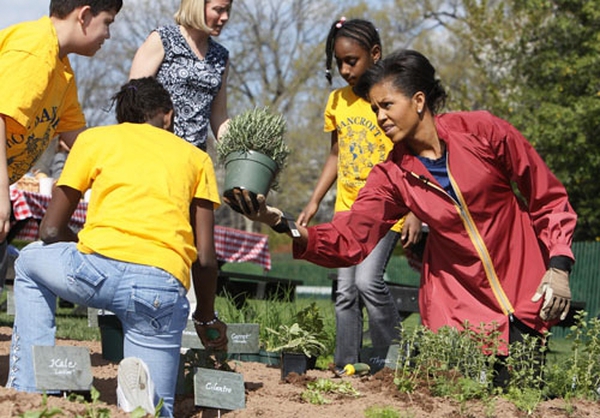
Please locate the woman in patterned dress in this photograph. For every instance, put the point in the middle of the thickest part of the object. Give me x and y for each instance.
(191, 66)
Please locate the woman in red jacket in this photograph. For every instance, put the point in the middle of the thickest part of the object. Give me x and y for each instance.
(491, 256)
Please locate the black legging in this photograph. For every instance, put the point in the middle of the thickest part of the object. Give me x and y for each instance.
(516, 331)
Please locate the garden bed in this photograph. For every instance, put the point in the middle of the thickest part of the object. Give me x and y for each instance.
(267, 396)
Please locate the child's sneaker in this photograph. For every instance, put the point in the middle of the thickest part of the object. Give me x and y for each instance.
(134, 386)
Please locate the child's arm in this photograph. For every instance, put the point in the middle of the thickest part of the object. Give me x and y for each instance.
(219, 117)
(204, 275)
(55, 223)
(148, 58)
(326, 180)
(5, 205)
(67, 139)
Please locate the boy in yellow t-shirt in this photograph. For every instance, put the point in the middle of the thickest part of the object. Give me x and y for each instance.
(150, 217)
(38, 95)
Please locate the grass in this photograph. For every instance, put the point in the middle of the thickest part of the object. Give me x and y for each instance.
(68, 325)
(267, 313)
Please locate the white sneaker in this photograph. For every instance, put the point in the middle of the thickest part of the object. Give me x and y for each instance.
(134, 386)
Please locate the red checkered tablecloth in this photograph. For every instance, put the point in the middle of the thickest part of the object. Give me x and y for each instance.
(236, 246)
(232, 245)
(30, 207)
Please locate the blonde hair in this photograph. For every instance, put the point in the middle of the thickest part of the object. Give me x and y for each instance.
(191, 14)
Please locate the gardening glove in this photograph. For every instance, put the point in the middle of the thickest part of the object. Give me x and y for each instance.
(255, 208)
(557, 295)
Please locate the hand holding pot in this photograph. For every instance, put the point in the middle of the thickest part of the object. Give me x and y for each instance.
(253, 207)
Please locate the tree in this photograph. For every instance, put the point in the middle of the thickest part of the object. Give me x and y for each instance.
(534, 63)
(280, 64)
(559, 110)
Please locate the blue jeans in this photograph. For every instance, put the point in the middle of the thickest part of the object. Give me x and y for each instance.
(363, 285)
(150, 303)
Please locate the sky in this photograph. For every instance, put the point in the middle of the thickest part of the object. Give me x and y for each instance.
(15, 11)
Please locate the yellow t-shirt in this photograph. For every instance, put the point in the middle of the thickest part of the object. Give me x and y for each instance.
(38, 91)
(143, 180)
(362, 144)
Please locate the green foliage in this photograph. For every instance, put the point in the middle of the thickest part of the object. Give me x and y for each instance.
(311, 320)
(559, 107)
(306, 335)
(294, 339)
(453, 363)
(70, 326)
(316, 390)
(583, 366)
(69, 323)
(525, 399)
(270, 314)
(255, 130)
(381, 412)
(532, 62)
(460, 365)
(44, 413)
(93, 409)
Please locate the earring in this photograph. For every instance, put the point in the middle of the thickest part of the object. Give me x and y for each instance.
(419, 111)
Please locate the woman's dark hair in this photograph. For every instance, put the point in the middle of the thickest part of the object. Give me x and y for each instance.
(141, 99)
(410, 72)
(360, 31)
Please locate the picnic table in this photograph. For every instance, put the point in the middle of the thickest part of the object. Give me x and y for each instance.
(231, 245)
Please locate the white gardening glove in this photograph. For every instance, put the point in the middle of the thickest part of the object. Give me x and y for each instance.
(557, 294)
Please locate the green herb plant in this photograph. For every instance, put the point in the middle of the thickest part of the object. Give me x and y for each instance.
(294, 339)
(387, 412)
(316, 390)
(579, 375)
(460, 364)
(256, 130)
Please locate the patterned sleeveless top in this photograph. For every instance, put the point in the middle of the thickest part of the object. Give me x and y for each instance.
(193, 83)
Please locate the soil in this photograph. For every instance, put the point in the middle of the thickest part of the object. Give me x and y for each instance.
(267, 396)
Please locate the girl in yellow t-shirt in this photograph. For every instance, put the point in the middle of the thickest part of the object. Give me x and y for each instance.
(357, 144)
(150, 216)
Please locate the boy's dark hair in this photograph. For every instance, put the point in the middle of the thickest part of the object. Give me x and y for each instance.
(141, 99)
(62, 8)
(360, 31)
(409, 72)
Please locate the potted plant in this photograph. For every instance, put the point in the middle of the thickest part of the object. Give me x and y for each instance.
(253, 151)
(296, 346)
(310, 319)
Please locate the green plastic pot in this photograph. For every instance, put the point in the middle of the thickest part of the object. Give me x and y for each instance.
(111, 334)
(269, 358)
(249, 170)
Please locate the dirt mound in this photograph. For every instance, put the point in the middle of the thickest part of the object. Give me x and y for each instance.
(268, 396)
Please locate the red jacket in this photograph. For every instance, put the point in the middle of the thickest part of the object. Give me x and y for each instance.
(487, 253)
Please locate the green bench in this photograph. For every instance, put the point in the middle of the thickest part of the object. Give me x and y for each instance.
(242, 286)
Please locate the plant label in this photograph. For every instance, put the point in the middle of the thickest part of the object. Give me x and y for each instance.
(218, 389)
(243, 338)
(379, 357)
(10, 302)
(62, 368)
(92, 317)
